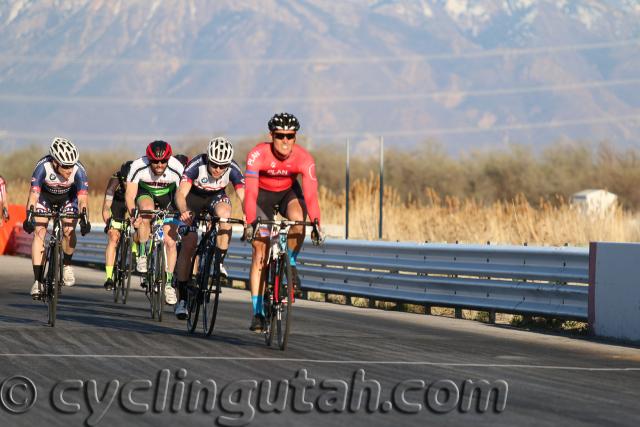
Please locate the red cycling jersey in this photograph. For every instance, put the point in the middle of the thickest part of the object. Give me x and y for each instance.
(265, 171)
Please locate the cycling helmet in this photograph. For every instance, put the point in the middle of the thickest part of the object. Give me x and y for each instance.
(159, 150)
(64, 152)
(284, 121)
(182, 159)
(220, 151)
(124, 170)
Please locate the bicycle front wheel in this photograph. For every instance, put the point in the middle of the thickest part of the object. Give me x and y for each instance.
(285, 299)
(54, 281)
(211, 299)
(194, 292)
(160, 280)
(117, 271)
(128, 269)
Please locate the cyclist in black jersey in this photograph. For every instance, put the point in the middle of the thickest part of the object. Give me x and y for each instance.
(114, 212)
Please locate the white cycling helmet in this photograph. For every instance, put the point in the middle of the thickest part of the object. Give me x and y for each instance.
(64, 152)
(220, 151)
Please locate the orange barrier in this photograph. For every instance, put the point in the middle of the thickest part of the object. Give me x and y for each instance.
(8, 230)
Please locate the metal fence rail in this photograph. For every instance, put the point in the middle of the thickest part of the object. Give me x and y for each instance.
(506, 279)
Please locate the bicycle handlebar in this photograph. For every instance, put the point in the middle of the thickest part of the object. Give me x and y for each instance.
(286, 223)
(57, 214)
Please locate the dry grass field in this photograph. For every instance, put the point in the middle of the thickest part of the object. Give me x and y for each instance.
(449, 219)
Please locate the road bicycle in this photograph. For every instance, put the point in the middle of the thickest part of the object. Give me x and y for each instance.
(155, 279)
(203, 294)
(53, 266)
(123, 263)
(279, 289)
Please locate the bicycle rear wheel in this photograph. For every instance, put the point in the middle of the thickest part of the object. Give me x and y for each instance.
(271, 303)
(285, 299)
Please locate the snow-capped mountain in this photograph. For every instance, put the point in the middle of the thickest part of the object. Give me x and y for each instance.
(464, 72)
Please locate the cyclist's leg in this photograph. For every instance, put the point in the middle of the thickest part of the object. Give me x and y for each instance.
(170, 239)
(37, 245)
(222, 209)
(170, 229)
(118, 210)
(257, 275)
(294, 209)
(189, 243)
(144, 201)
(69, 240)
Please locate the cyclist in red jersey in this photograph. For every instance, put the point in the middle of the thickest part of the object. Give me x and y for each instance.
(271, 179)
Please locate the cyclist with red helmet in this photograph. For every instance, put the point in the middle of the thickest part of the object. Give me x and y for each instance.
(152, 183)
(271, 179)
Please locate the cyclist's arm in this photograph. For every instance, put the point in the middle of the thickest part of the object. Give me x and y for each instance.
(83, 203)
(238, 181)
(130, 195)
(37, 180)
(82, 185)
(310, 190)
(3, 189)
(181, 195)
(108, 198)
(2, 199)
(252, 177)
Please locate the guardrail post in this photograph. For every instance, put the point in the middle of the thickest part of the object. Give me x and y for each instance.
(427, 309)
(372, 303)
(492, 317)
(458, 313)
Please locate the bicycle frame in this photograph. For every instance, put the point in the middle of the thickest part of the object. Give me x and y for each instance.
(156, 278)
(123, 264)
(208, 280)
(279, 295)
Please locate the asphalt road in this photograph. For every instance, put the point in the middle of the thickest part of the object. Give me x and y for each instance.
(105, 364)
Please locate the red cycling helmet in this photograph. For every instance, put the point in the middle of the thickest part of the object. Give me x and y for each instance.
(159, 150)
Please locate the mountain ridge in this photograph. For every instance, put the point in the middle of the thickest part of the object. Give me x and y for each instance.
(464, 72)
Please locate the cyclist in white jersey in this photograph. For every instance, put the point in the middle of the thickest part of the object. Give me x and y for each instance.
(203, 190)
(59, 180)
(152, 182)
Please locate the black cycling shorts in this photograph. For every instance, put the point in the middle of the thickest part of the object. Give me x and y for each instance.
(267, 200)
(201, 202)
(66, 203)
(118, 210)
(160, 202)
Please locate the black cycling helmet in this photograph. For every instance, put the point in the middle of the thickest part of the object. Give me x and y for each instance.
(182, 159)
(284, 121)
(159, 150)
(124, 170)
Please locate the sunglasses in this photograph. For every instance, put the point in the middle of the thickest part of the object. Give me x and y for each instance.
(284, 135)
(217, 166)
(65, 167)
(155, 162)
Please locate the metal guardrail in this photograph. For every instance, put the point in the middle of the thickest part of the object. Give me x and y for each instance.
(548, 281)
